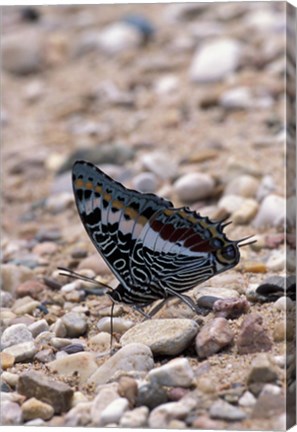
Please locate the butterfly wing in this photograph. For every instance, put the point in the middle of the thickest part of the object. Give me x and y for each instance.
(112, 215)
(180, 249)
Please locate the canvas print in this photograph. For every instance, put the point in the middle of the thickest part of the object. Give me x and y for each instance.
(149, 216)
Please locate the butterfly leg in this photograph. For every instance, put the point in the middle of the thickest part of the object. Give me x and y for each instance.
(141, 311)
(184, 298)
(158, 307)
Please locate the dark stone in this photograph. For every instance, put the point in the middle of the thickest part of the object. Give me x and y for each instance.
(73, 348)
(151, 396)
(36, 384)
(253, 337)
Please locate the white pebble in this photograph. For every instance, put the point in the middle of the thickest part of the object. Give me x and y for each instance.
(114, 411)
(230, 203)
(145, 182)
(243, 185)
(120, 325)
(276, 261)
(15, 334)
(177, 372)
(194, 187)
(271, 213)
(247, 399)
(284, 304)
(119, 37)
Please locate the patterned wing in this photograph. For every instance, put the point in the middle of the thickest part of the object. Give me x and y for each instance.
(181, 249)
(113, 216)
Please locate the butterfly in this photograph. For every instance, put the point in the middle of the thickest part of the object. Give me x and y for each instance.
(156, 251)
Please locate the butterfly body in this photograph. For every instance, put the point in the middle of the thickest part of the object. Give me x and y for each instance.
(155, 250)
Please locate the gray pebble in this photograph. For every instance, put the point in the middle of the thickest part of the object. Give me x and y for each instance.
(225, 411)
(11, 413)
(38, 327)
(75, 323)
(145, 182)
(164, 336)
(15, 334)
(23, 351)
(177, 372)
(135, 418)
(151, 395)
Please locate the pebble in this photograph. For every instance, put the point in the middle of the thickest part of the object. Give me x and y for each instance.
(128, 389)
(215, 60)
(266, 187)
(246, 212)
(237, 98)
(105, 396)
(214, 336)
(24, 305)
(6, 299)
(13, 275)
(34, 90)
(203, 422)
(194, 186)
(15, 334)
(120, 325)
(225, 411)
(245, 186)
(271, 212)
(73, 348)
(96, 263)
(159, 164)
(230, 203)
(253, 336)
(164, 336)
(161, 416)
(284, 304)
(38, 327)
(114, 411)
(10, 378)
(271, 288)
(262, 371)
(247, 399)
(136, 418)
(34, 408)
(44, 356)
(79, 415)
(24, 351)
(100, 342)
(270, 403)
(119, 37)
(254, 267)
(11, 413)
(277, 261)
(36, 384)
(145, 182)
(75, 324)
(177, 372)
(83, 364)
(231, 308)
(55, 204)
(219, 292)
(23, 54)
(151, 395)
(132, 357)
(6, 360)
(167, 85)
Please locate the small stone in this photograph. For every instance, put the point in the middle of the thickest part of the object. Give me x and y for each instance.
(237, 98)
(75, 323)
(105, 396)
(266, 187)
(177, 372)
(216, 291)
(45, 248)
(166, 85)
(252, 336)
(163, 336)
(114, 411)
(215, 60)
(145, 182)
(55, 204)
(83, 364)
(95, 263)
(279, 331)
(128, 389)
(23, 54)
(231, 308)
(245, 186)
(205, 423)
(225, 411)
(15, 334)
(161, 416)
(247, 399)
(271, 212)
(135, 357)
(270, 403)
(176, 393)
(6, 299)
(151, 395)
(159, 164)
(100, 342)
(230, 203)
(11, 413)
(262, 371)
(24, 305)
(10, 378)
(73, 348)
(246, 212)
(214, 336)
(120, 325)
(34, 408)
(36, 384)
(277, 261)
(271, 288)
(254, 267)
(79, 415)
(284, 304)
(22, 352)
(12, 275)
(38, 327)
(136, 418)
(119, 37)
(45, 356)
(194, 186)
(7, 360)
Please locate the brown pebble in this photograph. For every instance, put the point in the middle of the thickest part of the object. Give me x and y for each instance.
(128, 389)
(204, 422)
(34, 408)
(6, 360)
(253, 336)
(231, 307)
(254, 267)
(30, 288)
(176, 393)
(279, 332)
(214, 336)
(45, 248)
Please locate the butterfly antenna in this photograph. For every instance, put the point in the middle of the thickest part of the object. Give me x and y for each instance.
(111, 325)
(72, 274)
(248, 243)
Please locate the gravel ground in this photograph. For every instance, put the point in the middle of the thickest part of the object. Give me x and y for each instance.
(185, 101)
